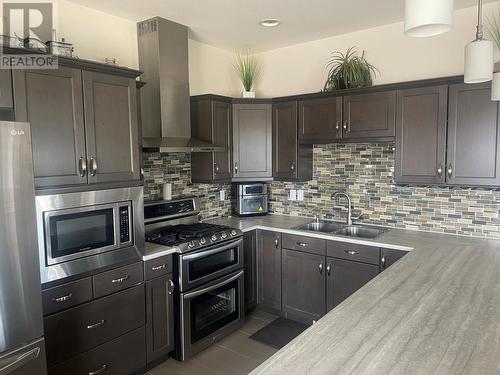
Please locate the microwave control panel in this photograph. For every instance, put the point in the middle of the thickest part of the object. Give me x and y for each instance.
(124, 224)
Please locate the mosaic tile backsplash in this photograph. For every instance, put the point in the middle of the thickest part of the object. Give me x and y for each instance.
(175, 168)
(365, 171)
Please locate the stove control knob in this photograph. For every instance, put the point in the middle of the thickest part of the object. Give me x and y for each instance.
(213, 238)
(203, 241)
(191, 244)
(224, 235)
(233, 233)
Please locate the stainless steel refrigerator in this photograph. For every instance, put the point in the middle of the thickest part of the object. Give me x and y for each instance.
(22, 350)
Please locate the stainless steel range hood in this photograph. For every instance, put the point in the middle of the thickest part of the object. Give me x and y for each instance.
(165, 103)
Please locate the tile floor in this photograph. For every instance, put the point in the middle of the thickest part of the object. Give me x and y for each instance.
(236, 354)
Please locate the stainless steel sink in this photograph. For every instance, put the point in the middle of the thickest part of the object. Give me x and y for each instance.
(361, 231)
(320, 227)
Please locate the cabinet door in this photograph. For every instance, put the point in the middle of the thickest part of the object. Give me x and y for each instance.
(369, 115)
(159, 317)
(303, 285)
(111, 128)
(269, 269)
(390, 256)
(345, 277)
(473, 136)
(51, 100)
(252, 145)
(222, 131)
(320, 120)
(250, 260)
(421, 135)
(285, 141)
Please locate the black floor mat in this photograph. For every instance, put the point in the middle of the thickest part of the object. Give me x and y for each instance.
(279, 333)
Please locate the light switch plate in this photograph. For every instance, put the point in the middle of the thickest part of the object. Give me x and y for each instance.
(300, 195)
(222, 195)
(293, 195)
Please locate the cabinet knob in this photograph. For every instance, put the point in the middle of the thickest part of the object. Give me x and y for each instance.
(337, 126)
(292, 167)
(276, 243)
(321, 268)
(329, 269)
(345, 127)
(383, 262)
(93, 167)
(216, 167)
(440, 170)
(170, 287)
(450, 170)
(236, 168)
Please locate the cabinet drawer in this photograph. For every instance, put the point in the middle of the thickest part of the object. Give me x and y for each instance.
(305, 244)
(83, 328)
(116, 280)
(358, 253)
(66, 296)
(122, 356)
(158, 267)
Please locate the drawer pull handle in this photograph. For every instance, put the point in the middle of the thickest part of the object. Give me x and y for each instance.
(170, 287)
(160, 267)
(100, 371)
(121, 279)
(351, 252)
(95, 325)
(302, 244)
(63, 298)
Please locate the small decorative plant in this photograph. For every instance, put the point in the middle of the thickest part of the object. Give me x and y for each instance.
(493, 26)
(247, 67)
(348, 71)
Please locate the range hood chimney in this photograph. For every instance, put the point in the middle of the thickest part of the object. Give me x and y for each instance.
(165, 102)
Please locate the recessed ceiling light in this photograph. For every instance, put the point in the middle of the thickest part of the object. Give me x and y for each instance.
(269, 23)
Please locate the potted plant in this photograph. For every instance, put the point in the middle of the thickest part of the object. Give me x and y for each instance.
(348, 71)
(493, 27)
(247, 67)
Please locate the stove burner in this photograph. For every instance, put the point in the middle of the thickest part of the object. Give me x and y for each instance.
(177, 234)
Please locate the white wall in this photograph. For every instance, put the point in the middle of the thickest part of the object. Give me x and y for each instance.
(97, 35)
(302, 68)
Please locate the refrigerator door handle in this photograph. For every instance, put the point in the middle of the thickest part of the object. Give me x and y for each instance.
(11, 363)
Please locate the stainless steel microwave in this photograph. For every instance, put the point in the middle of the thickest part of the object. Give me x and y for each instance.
(80, 232)
(251, 199)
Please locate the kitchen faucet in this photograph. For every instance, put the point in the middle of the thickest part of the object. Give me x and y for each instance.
(344, 194)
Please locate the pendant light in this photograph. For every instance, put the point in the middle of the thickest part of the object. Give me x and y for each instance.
(479, 54)
(425, 18)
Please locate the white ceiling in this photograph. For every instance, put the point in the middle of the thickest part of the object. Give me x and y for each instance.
(234, 23)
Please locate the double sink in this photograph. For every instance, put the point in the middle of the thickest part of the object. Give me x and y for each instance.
(355, 230)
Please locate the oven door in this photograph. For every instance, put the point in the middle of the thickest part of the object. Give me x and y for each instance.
(79, 232)
(252, 204)
(210, 312)
(207, 264)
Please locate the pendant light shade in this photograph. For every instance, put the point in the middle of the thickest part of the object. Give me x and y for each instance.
(478, 61)
(495, 87)
(479, 54)
(425, 18)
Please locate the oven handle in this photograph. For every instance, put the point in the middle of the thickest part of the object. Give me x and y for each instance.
(204, 253)
(208, 289)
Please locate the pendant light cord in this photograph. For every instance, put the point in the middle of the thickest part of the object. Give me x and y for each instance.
(479, 32)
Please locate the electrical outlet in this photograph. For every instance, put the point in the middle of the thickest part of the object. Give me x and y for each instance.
(293, 195)
(300, 195)
(222, 195)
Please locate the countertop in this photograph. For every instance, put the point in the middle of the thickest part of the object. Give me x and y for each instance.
(436, 311)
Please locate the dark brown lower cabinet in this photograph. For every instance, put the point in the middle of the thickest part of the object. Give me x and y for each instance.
(269, 269)
(159, 317)
(304, 286)
(250, 260)
(345, 278)
(122, 356)
(390, 256)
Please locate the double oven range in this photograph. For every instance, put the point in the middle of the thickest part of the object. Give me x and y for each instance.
(208, 273)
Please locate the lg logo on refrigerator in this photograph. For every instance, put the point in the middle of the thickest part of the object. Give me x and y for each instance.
(16, 133)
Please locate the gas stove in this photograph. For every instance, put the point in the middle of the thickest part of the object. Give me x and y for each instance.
(176, 224)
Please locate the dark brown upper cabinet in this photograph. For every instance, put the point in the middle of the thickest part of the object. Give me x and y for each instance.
(84, 125)
(473, 156)
(211, 121)
(6, 99)
(370, 115)
(320, 120)
(51, 100)
(421, 118)
(291, 161)
(252, 141)
(111, 128)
